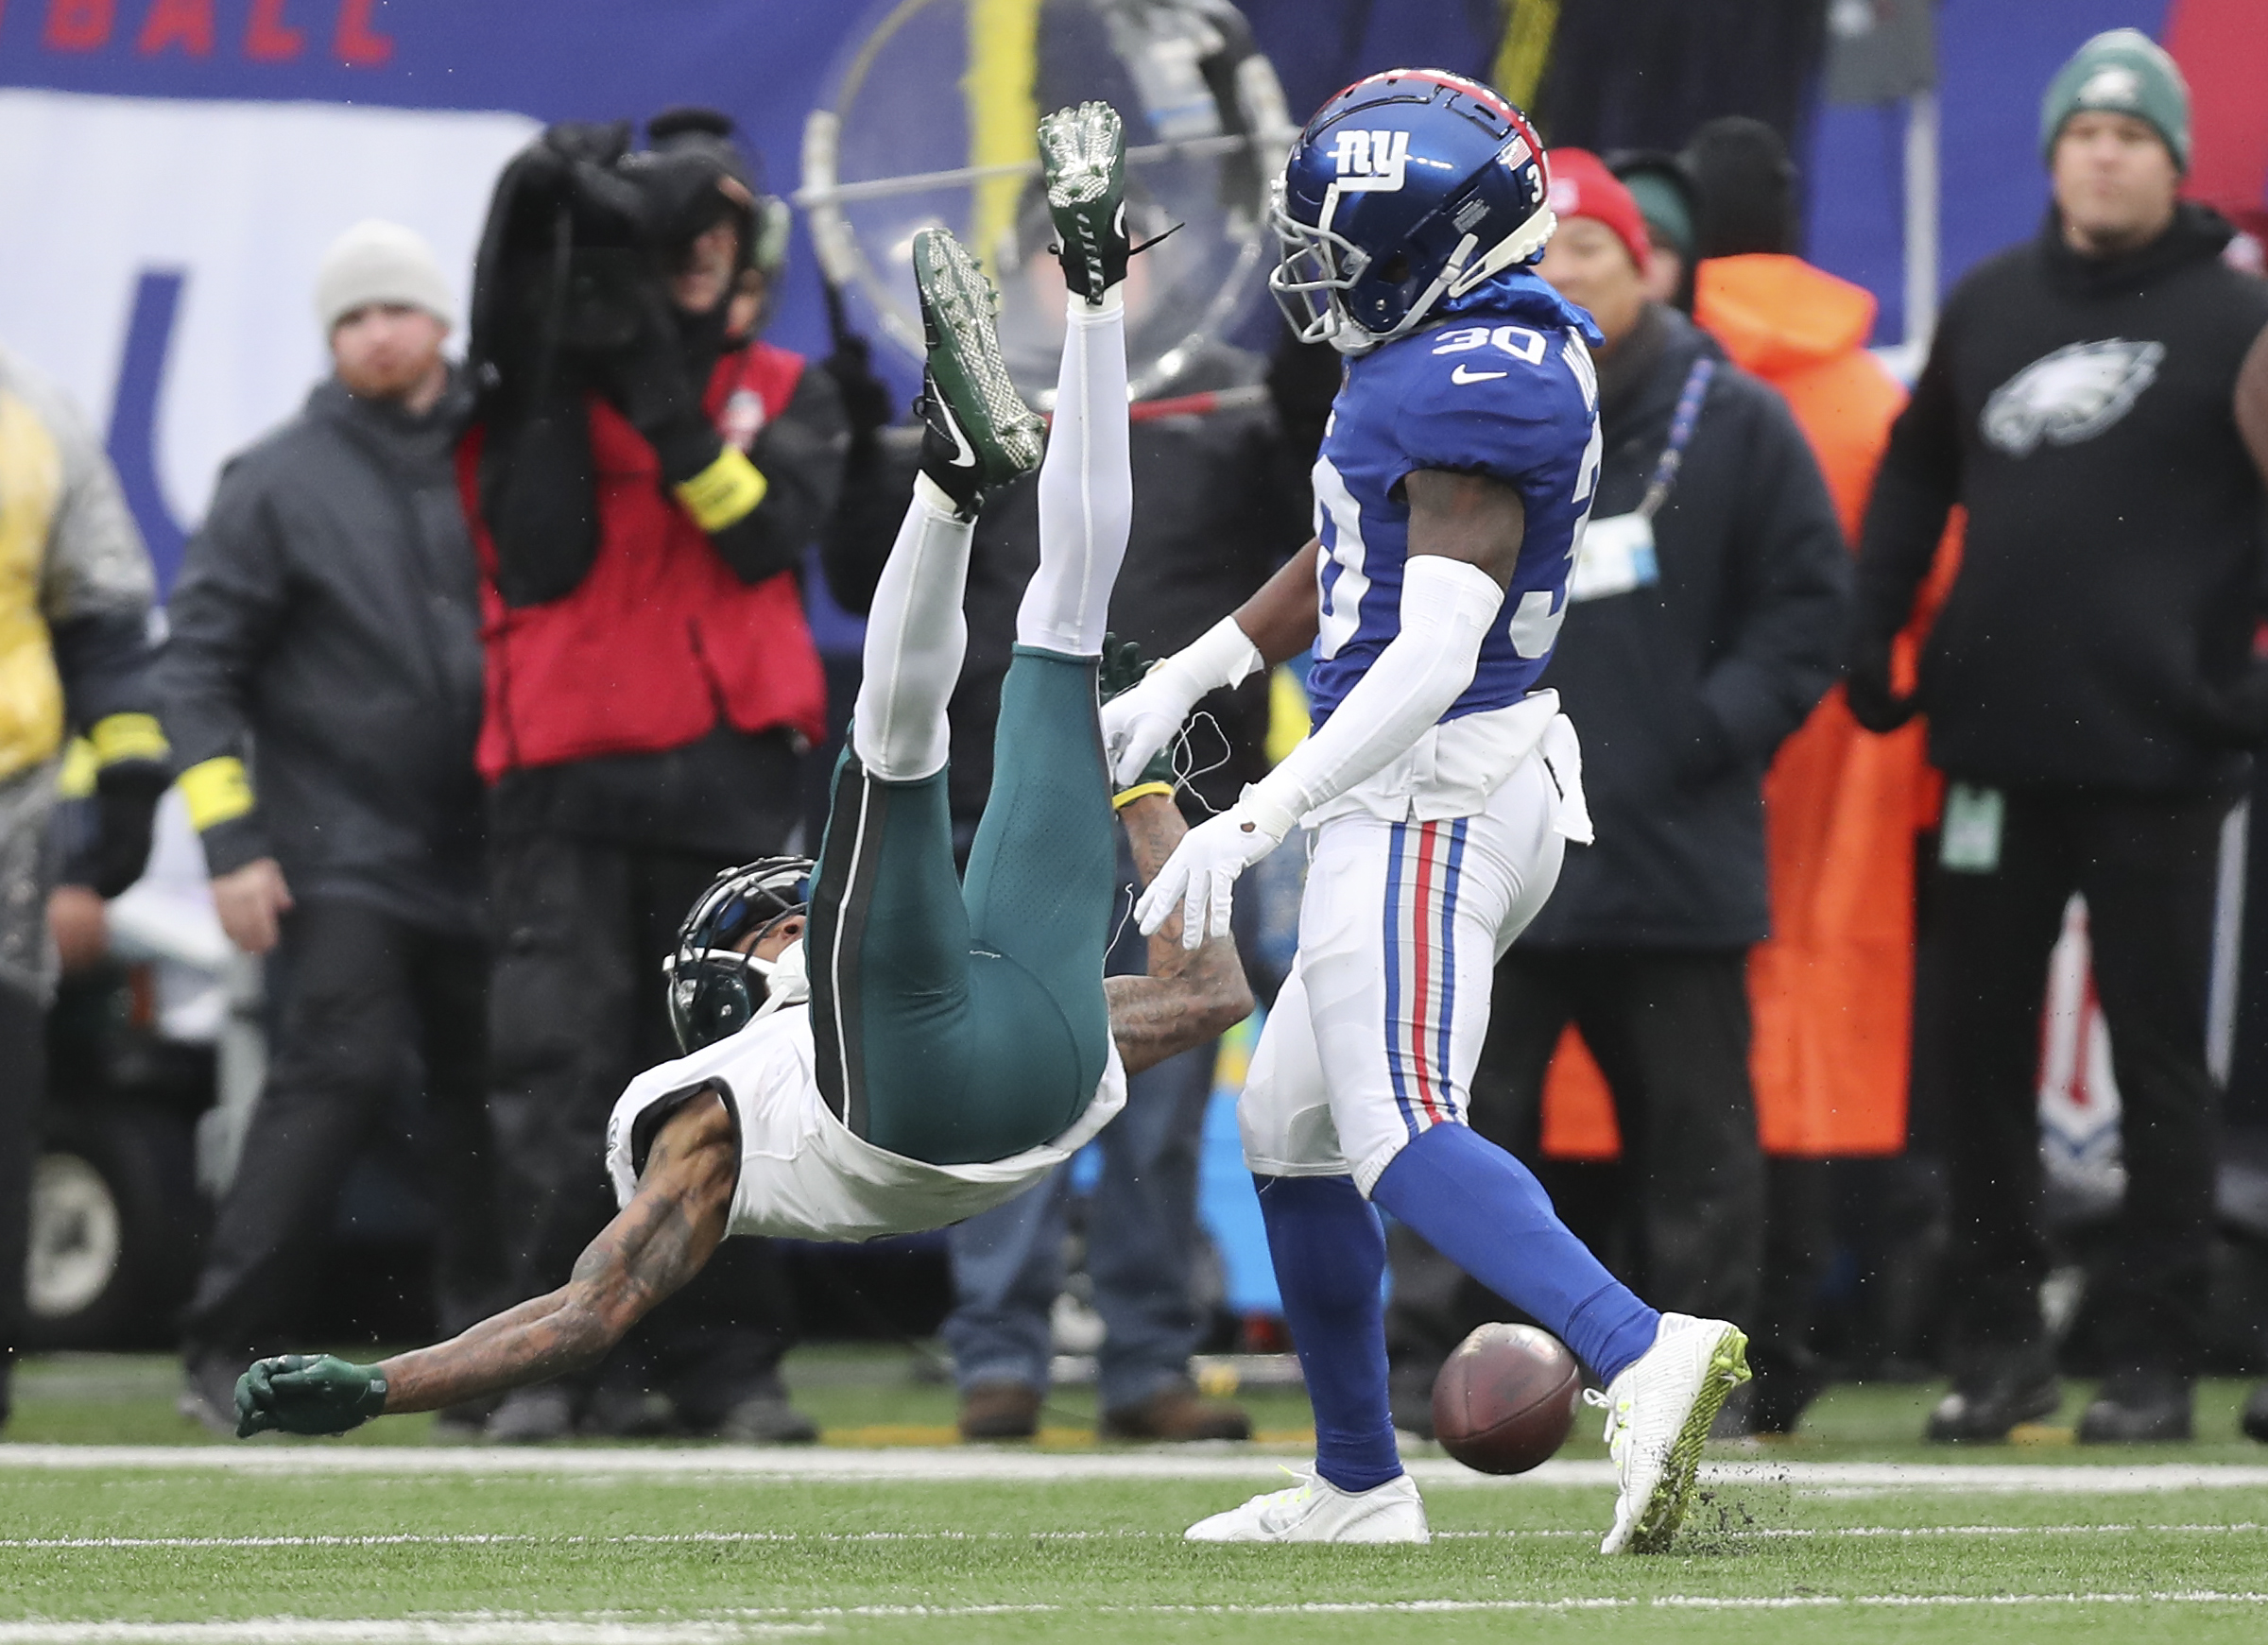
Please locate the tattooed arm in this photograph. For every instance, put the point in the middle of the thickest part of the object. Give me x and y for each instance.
(660, 1241)
(1191, 996)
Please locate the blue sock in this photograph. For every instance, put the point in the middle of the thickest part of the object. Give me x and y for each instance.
(1484, 1211)
(1330, 1260)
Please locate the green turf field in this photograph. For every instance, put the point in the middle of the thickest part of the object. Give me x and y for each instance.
(1854, 1534)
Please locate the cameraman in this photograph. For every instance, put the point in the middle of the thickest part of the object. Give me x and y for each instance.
(643, 476)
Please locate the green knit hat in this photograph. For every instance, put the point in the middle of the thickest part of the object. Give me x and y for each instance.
(2120, 72)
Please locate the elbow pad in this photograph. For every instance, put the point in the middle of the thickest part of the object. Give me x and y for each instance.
(1448, 607)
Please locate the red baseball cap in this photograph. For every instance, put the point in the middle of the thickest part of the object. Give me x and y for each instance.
(1583, 187)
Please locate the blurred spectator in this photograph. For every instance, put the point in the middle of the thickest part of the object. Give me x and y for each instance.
(2098, 401)
(1701, 627)
(645, 477)
(1831, 987)
(321, 685)
(1665, 192)
(75, 609)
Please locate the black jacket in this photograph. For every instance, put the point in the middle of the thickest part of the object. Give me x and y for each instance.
(326, 630)
(2081, 409)
(1682, 691)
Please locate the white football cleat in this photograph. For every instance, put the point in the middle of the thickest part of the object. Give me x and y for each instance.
(1658, 1412)
(1315, 1510)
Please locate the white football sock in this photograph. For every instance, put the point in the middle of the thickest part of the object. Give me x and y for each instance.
(916, 636)
(1086, 488)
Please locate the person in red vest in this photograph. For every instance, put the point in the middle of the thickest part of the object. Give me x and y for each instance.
(643, 476)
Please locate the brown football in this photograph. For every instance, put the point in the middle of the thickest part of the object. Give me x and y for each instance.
(1505, 1401)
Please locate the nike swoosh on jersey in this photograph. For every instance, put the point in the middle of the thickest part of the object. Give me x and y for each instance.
(1466, 374)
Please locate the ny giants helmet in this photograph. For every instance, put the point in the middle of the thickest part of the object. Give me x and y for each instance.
(1405, 189)
(714, 989)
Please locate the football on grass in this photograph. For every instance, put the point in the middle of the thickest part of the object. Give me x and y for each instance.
(1506, 1399)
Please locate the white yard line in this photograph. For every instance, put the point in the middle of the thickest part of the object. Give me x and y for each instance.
(1009, 1466)
(482, 1630)
(382, 1631)
(834, 1538)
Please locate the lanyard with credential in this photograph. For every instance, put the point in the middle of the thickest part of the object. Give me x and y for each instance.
(1681, 431)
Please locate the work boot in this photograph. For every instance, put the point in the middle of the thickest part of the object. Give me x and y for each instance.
(532, 1416)
(208, 1395)
(1175, 1411)
(1995, 1389)
(976, 430)
(999, 1410)
(768, 1418)
(2138, 1406)
(2255, 1419)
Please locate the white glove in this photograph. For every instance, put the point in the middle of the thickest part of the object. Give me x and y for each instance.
(1201, 874)
(1138, 723)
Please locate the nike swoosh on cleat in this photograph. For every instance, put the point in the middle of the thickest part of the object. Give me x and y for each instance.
(966, 454)
(1466, 374)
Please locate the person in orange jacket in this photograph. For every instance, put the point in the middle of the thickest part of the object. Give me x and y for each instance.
(1833, 990)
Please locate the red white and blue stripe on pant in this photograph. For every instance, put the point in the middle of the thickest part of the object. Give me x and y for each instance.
(1424, 863)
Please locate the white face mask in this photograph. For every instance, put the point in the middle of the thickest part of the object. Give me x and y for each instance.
(786, 980)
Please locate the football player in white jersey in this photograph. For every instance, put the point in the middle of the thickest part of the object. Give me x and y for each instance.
(1452, 491)
(875, 1046)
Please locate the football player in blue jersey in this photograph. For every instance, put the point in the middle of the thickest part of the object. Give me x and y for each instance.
(1441, 786)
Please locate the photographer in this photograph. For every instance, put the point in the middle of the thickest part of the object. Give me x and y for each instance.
(643, 476)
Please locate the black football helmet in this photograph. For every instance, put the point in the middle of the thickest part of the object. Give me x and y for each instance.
(714, 989)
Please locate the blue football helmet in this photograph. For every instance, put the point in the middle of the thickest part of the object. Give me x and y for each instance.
(715, 989)
(1405, 189)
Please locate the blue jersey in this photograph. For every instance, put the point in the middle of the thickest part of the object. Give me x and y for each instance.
(1504, 390)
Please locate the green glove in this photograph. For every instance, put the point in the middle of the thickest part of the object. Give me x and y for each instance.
(307, 1394)
(1122, 669)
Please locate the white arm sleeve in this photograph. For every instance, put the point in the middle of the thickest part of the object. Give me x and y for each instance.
(1447, 608)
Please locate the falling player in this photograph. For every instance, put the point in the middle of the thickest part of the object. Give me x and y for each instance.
(944, 1046)
(1452, 492)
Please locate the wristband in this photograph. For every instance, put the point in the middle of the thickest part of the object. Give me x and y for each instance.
(122, 737)
(728, 490)
(372, 1402)
(1267, 811)
(1141, 791)
(1222, 655)
(218, 791)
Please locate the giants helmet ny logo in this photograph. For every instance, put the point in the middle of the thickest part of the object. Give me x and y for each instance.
(1371, 161)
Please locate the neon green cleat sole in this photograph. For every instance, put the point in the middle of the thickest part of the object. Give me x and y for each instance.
(1664, 1512)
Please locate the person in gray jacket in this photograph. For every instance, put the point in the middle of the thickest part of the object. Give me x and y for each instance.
(321, 687)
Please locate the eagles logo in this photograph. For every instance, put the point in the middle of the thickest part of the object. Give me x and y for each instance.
(2070, 395)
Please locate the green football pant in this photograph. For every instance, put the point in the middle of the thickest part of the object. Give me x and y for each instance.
(963, 1022)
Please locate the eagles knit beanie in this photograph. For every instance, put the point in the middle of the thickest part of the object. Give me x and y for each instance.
(2120, 72)
(1583, 187)
(373, 263)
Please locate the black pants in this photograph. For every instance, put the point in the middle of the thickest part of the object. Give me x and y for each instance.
(2148, 867)
(577, 1011)
(360, 992)
(23, 1077)
(1670, 1030)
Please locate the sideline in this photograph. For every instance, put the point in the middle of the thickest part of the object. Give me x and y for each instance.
(976, 1464)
